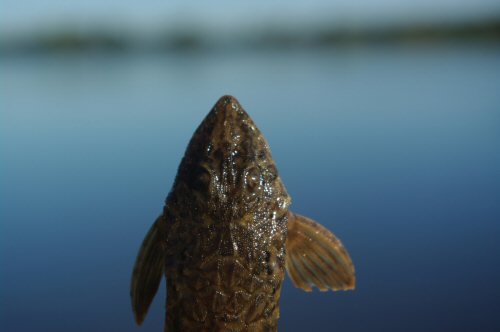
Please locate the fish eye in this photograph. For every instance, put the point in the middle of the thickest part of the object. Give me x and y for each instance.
(253, 178)
(271, 173)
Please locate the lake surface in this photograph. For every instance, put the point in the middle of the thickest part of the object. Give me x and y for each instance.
(394, 149)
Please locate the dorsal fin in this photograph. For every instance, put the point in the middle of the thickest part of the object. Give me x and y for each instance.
(148, 270)
(315, 257)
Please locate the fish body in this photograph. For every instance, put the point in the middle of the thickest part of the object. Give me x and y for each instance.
(226, 235)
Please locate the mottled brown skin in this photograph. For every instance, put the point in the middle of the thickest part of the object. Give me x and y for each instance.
(221, 238)
(225, 227)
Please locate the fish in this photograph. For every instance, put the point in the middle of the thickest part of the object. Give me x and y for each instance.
(226, 236)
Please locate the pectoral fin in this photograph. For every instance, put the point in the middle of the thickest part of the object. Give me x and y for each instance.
(148, 270)
(315, 257)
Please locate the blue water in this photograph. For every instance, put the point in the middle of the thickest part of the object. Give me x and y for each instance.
(396, 150)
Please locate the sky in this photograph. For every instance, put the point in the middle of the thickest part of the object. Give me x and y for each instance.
(16, 15)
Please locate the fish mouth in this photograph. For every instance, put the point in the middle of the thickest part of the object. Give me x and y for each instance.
(231, 123)
(227, 103)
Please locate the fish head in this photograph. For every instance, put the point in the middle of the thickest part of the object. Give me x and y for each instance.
(228, 175)
(228, 185)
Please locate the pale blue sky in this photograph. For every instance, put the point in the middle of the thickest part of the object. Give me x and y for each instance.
(28, 14)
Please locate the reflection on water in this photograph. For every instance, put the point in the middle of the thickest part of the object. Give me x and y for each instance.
(395, 150)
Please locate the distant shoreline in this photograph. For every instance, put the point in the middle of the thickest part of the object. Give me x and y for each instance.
(267, 38)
